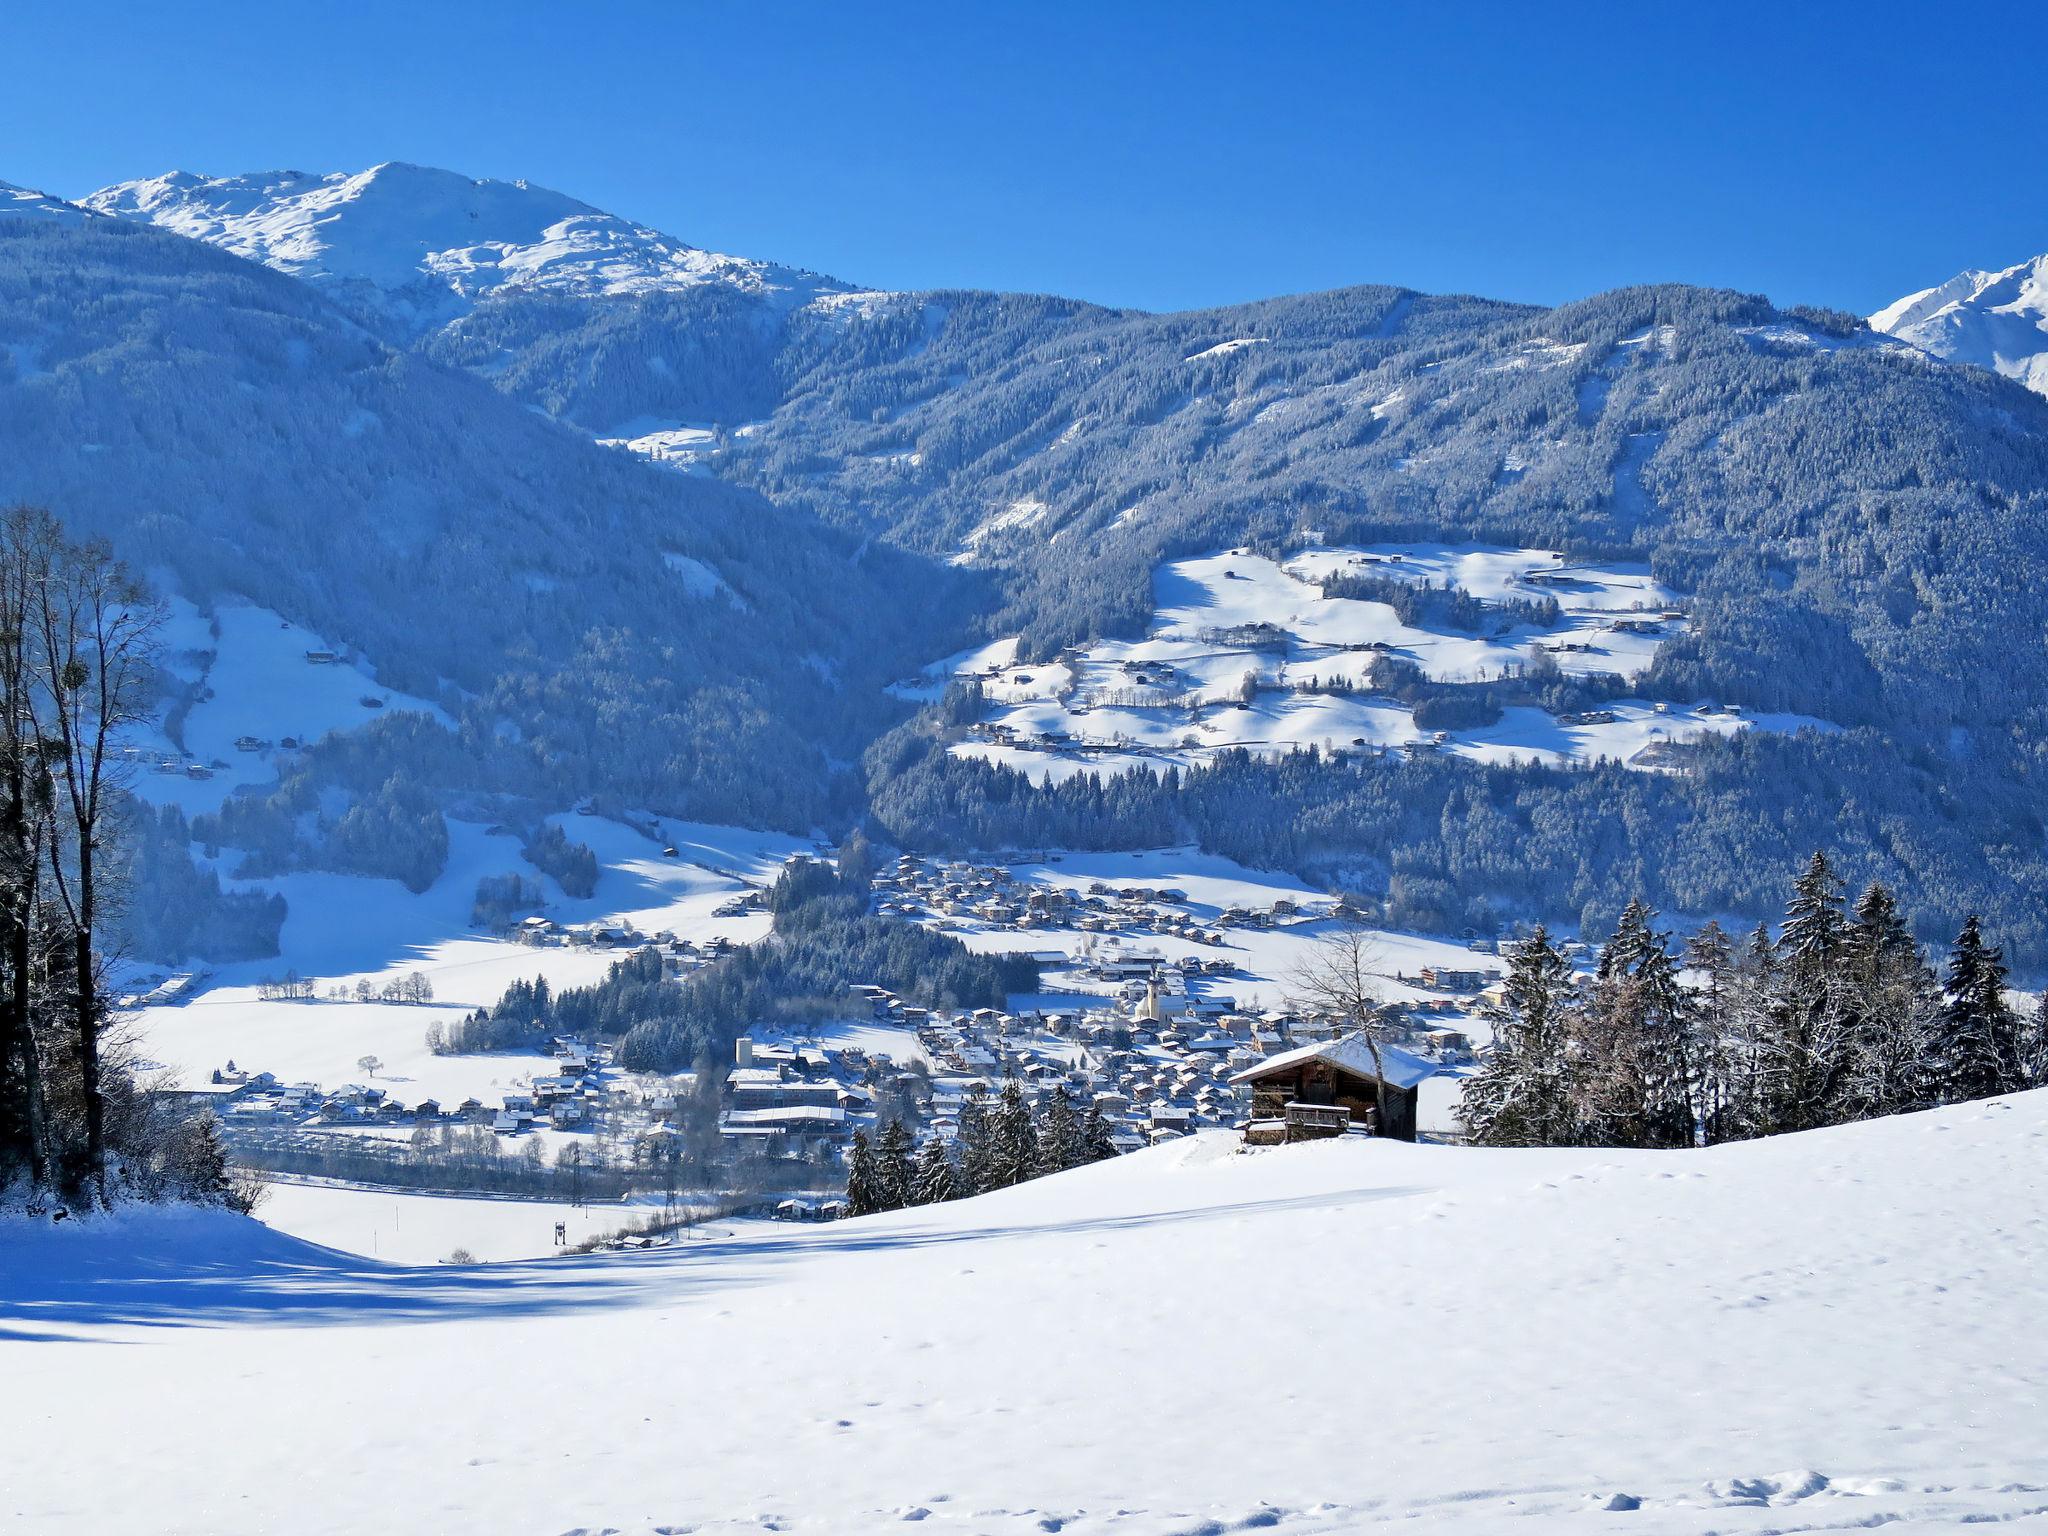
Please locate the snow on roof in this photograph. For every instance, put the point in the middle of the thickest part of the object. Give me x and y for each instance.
(1398, 1068)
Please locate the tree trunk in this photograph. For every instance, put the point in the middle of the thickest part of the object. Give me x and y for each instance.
(89, 1025)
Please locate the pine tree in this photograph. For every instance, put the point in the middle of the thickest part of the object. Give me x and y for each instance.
(864, 1193)
(1804, 1053)
(1889, 1009)
(1060, 1144)
(1637, 1081)
(976, 1147)
(1524, 1093)
(1013, 1139)
(934, 1182)
(1978, 1050)
(1096, 1146)
(1813, 918)
(2034, 1052)
(893, 1169)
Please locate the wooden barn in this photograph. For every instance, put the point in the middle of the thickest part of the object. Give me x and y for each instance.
(1331, 1089)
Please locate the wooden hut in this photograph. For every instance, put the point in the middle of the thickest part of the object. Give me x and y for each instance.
(1331, 1088)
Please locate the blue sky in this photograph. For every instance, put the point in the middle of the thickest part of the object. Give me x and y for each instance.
(1159, 155)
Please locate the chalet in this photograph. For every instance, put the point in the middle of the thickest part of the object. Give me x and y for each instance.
(1332, 1087)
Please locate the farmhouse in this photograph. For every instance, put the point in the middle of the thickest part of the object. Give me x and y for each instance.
(1330, 1088)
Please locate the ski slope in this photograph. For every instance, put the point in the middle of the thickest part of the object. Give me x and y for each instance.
(1833, 1331)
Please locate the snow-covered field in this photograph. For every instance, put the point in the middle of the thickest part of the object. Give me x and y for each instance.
(342, 928)
(1832, 1331)
(427, 1229)
(1178, 695)
(1266, 958)
(259, 687)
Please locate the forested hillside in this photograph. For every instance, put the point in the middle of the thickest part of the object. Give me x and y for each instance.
(879, 478)
(592, 623)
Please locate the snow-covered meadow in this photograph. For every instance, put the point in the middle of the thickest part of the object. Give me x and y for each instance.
(345, 928)
(1827, 1331)
(1180, 694)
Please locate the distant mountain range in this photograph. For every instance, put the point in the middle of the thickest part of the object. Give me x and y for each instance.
(831, 485)
(1996, 320)
(419, 247)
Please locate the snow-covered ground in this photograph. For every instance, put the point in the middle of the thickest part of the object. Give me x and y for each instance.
(1831, 1331)
(427, 1229)
(1225, 620)
(259, 689)
(342, 928)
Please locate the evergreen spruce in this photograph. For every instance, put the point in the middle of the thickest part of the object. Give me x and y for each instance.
(934, 1182)
(1096, 1146)
(1978, 1051)
(1524, 1093)
(864, 1193)
(1804, 1051)
(1889, 1011)
(975, 1141)
(1060, 1143)
(1013, 1139)
(893, 1169)
(1637, 1078)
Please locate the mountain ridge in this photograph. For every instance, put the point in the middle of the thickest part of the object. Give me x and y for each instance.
(1996, 320)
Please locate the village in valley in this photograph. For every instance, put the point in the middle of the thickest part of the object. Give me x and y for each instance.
(1163, 997)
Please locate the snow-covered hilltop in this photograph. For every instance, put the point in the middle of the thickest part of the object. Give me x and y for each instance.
(425, 245)
(26, 201)
(1997, 320)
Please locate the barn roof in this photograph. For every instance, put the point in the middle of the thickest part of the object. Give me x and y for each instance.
(1400, 1069)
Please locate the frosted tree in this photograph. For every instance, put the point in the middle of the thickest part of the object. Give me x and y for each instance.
(934, 1181)
(1524, 1094)
(1060, 1142)
(1095, 1140)
(1013, 1139)
(1978, 1050)
(1803, 1053)
(894, 1173)
(1890, 1012)
(864, 1193)
(1637, 1073)
(976, 1148)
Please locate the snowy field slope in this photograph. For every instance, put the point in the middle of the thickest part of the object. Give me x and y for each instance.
(1174, 697)
(404, 1228)
(345, 928)
(430, 243)
(257, 686)
(1997, 320)
(1824, 1332)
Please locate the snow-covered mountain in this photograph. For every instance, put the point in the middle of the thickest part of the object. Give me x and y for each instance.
(20, 201)
(1997, 320)
(423, 246)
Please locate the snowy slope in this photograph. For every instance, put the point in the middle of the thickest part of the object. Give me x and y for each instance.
(425, 245)
(1997, 320)
(28, 203)
(1832, 1331)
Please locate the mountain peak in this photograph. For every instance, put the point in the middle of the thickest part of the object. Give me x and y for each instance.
(425, 245)
(1996, 320)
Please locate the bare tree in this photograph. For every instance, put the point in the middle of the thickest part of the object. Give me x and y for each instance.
(369, 1064)
(94, 632)
(26, 806)
(1339, 978)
